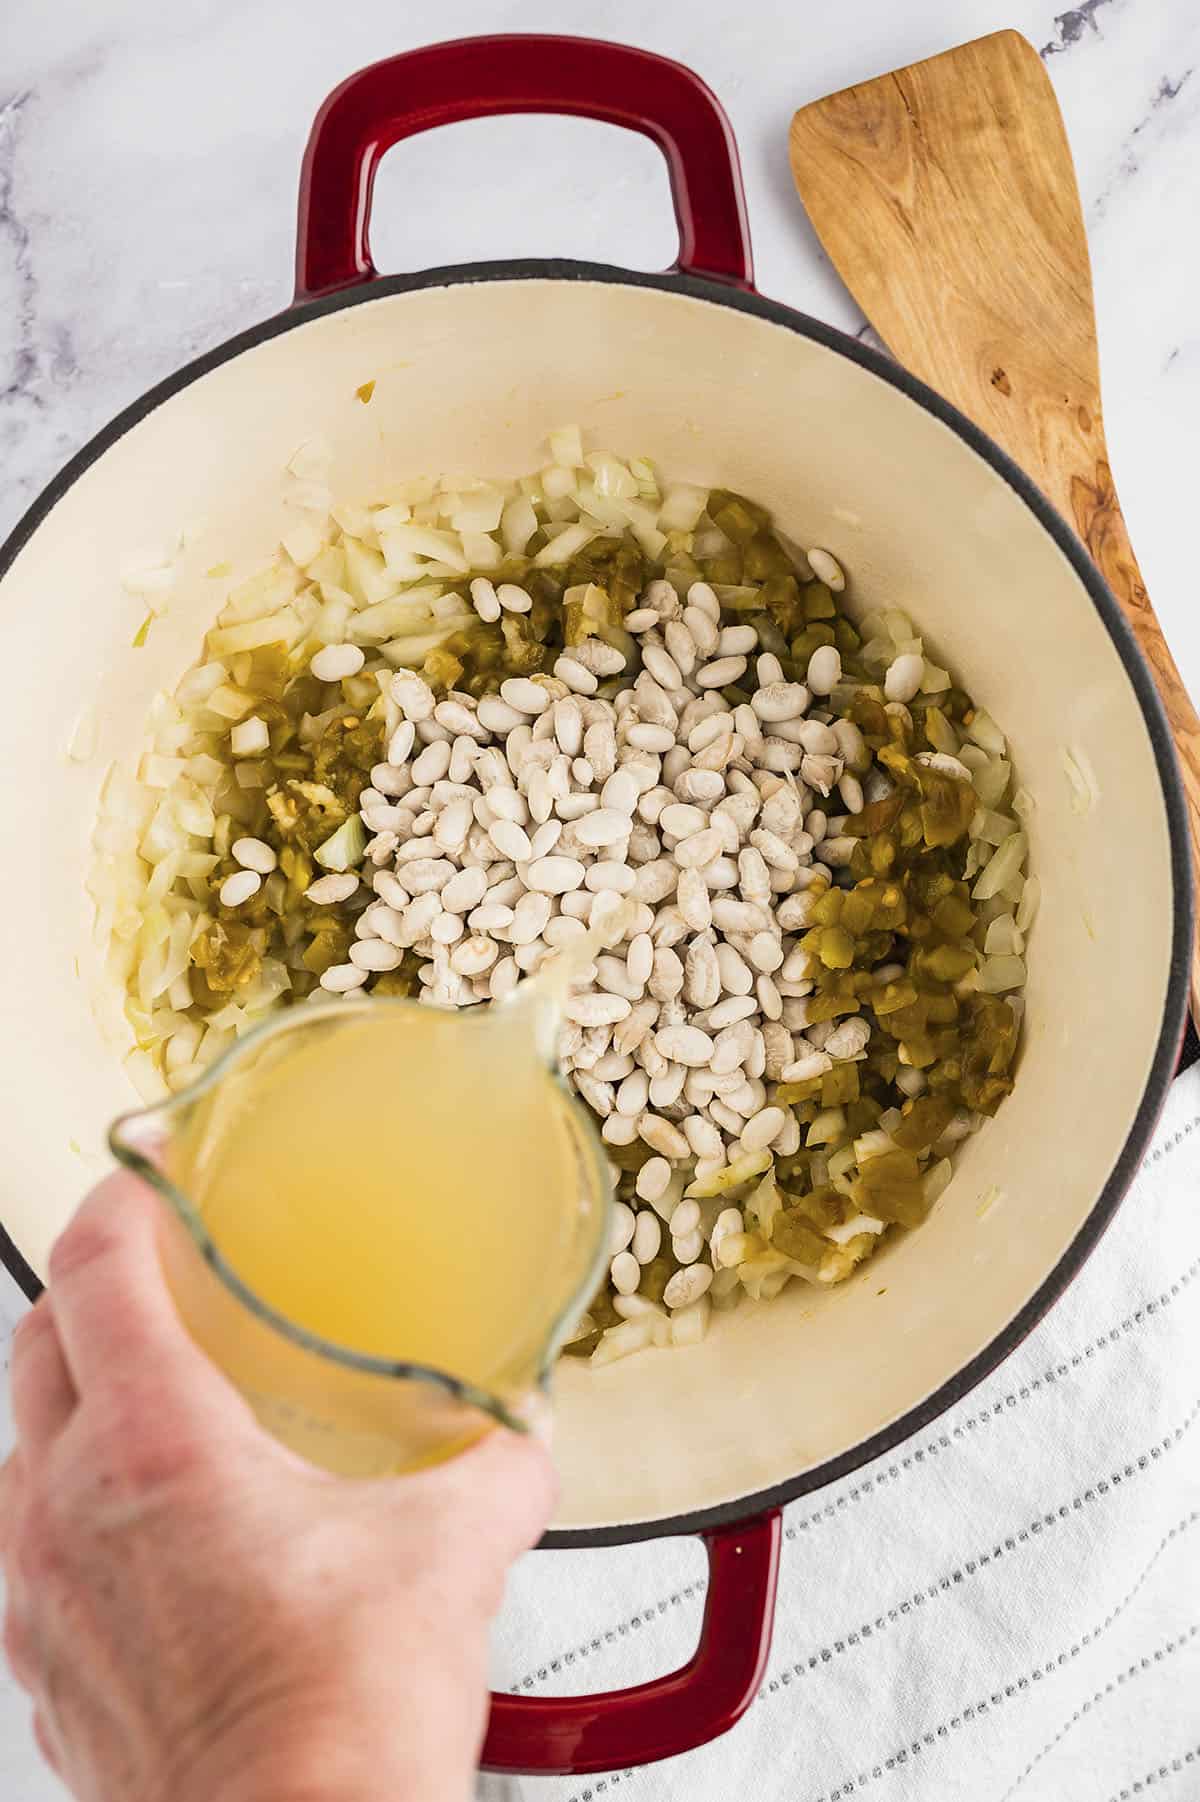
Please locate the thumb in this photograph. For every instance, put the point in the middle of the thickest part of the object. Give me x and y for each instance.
(111, 1305)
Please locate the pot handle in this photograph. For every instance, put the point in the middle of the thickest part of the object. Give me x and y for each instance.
(521, 73)
(572, 1735)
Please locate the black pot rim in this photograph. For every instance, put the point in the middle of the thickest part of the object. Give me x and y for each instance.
(1170, 1036)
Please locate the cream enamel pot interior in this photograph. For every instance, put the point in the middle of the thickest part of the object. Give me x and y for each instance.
(472, 366)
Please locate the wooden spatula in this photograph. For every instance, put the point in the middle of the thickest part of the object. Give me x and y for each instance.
(945, 196)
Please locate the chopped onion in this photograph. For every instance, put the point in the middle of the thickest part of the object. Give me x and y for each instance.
(1030, 900)
(996, 974)
(518, 523)
(689, 1325)
(986, 733)
(345, 848)
(682, 508)
(827, 1127)
(1003, 937)
(622, 1341)
(1085, 790)
(850, 1229)
(566, 446)
(563, 546)
(1004, 863)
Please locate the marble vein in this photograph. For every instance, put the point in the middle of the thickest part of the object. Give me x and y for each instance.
(1070, 26)
(15, 232)
(1131, 155)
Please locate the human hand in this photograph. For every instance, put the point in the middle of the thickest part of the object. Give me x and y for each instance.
(199, 1614)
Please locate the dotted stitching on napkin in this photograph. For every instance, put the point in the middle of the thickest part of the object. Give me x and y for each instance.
(1180, 1527)
(969, 1568)
(1005, 1404)
(851, 1786)
(867, 1630)
(1156, 1775)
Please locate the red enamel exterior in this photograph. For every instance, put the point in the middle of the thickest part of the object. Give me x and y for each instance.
(471, 78)
(571, 1735)
(441, 85)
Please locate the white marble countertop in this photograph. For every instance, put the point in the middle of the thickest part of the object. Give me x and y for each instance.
(148, 168)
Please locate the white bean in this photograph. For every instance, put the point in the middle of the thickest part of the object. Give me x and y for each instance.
(651, 738)
(412, 695)
(327, 891)
(334, 661)
(904, 677)
(603, 826)
(485, 600)
(653, 1179)
(375, 954)
(239, 888)
(662, 1137)
(766, 1125)
(778, 701)
(647, 1234)
(619, 1129)
(698, 849)
(431, 764)
(685, 1219)
(497, 716)
(626, 1273)
(513, 598)
(731, 1010)
(701, 595)
(580, 680)
(641, 619)
(339, 979)
(254, 854)
(827, 569)
(526, 696)
(824, 670)
(510, 840)
(684, 1045)
(721, 672)
(554, 875)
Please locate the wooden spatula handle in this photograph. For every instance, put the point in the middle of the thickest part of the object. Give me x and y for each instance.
(946, 198)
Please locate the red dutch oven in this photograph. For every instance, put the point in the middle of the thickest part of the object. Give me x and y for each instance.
(471, 367)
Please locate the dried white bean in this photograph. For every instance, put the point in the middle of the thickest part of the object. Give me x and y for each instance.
(647, 1234)
(339, 979)
(763, 1128)
(526, 696)
(824, 670)
(684, 1045)
(662, 1137)
(254, 854)
(904, 677)
(626, 1273)
(721, 672)
(497, 716)
(413, 696)
(580, 680)
(375, 954)
(827, 569)
(554, 875)
(642, 619)
(687, 1287)
(327, 891)
(335, 661)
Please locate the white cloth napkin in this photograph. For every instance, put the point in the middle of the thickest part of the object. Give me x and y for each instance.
(1006, 1607)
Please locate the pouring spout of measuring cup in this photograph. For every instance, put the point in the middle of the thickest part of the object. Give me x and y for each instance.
(537, 1006)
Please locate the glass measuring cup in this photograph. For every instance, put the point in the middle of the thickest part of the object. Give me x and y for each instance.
(349, 1406)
